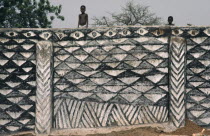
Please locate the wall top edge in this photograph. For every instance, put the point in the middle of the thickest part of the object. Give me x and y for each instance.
(155, 26)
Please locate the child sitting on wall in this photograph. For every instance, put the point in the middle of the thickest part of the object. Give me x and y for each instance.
(83, 18)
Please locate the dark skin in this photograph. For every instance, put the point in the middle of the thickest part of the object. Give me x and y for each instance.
(83, 17)
(170, 20)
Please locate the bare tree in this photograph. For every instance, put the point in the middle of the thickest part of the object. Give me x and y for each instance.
(132, 14)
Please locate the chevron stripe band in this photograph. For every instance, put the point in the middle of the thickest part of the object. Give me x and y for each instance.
(177, 81)
(44, 92)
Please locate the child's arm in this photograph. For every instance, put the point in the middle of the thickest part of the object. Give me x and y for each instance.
(78, 21)
(87, 21)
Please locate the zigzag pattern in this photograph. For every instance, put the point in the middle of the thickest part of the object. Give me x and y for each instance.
(70, 113)
(110, 74)
(44, 91)
(126, 78)
(128, 62)
(177, 81)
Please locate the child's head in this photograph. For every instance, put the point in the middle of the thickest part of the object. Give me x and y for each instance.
(170, 20)
(83, 9)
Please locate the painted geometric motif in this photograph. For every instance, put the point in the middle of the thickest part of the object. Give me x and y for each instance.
(198, 77)
(119, 72)
(44, 68)
(82, 114)
(17, 83)
(177, 81)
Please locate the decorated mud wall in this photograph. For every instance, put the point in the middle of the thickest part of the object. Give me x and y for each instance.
(103, 77)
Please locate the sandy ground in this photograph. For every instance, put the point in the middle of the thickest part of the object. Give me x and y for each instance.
(190, 129)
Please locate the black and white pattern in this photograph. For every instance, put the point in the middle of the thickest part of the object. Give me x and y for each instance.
(125, 71)
(198, 76)
(71, 113)
(104, 77)
(17, 83)
(44, 87)
(177, 81)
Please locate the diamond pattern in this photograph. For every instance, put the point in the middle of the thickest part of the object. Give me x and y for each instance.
(122, 68)
(198, 76)
(107, 71)
(17, 84)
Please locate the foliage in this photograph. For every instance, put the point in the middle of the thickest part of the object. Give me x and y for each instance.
(131, 14)
(28, 13)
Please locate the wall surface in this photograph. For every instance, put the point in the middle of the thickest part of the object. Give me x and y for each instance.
(102, 77)
(110, 78)
(198, 76)
(17, 82)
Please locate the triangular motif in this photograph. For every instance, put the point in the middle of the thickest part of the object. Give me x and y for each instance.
(13, 84)
(154, 97)
(93, 65)
(87, 73)
(106, 97)
(19, 62)
(5, 91)
(3, 76)
(114, 72)
(129, 80)
(9, 54)
(205, 120)
(153, 47)
(127, 47)
(133, 63)
(3, 62)
(27, 46)
(15, 100)
(89, 49)
(81, 57)
(120, 57)
(197, 113)
(155, 78)
(199, 40)
(205, 62)
(87, 88)
(163, 39)
(73, 65)
(130, 97)
(26, 54)
(205, 90)
(108, 48)
(142, 88)
(76, 81)
(141, 39)
(71, 49)
(197, 54)
(113, 65)
(155, 62)
(100, 81)
(139, 55)
(114, 88)
(62, 57)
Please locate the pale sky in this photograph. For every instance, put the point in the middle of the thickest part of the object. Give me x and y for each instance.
(196, 12)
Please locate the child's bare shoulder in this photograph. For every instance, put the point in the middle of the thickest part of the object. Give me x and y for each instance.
(83, 14)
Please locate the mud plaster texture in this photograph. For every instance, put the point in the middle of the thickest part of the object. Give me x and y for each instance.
(103, 77)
